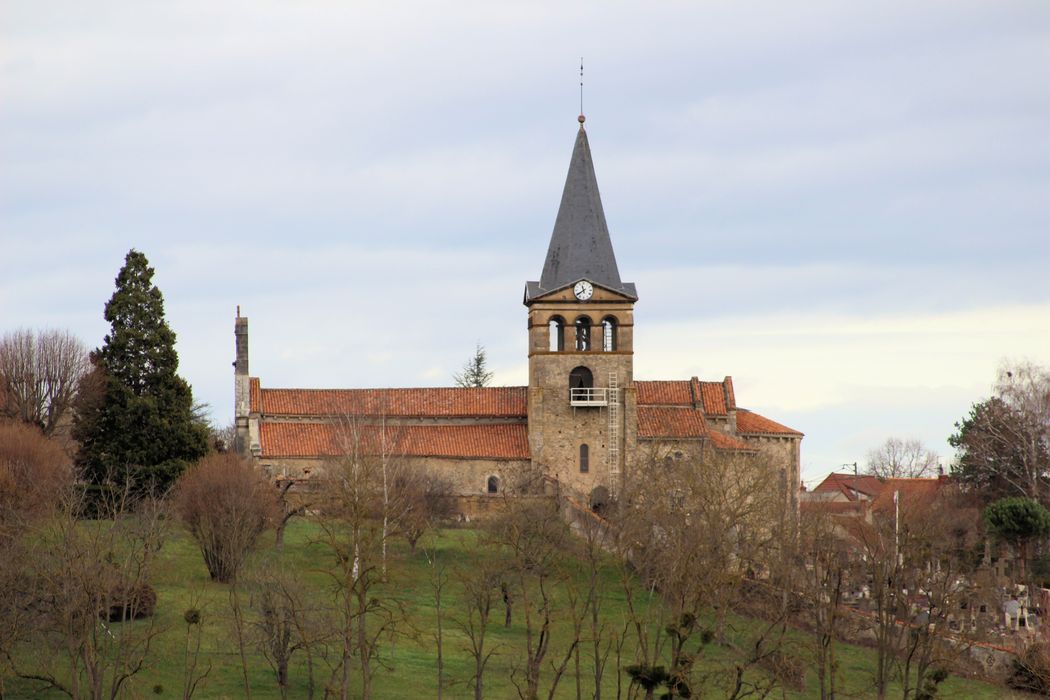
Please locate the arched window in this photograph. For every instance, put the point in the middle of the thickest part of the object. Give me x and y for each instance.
(583, 333)
(608, 334)
(580, 378)
(585, 459)
(599, 499)
(556, 328)
(493, 485)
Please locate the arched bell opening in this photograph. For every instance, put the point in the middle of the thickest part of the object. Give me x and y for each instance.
(583, 333)
(556, 331)
(581, 381)
(609, 334)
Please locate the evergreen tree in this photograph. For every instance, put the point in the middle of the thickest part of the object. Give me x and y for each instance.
(475, 372)
(139, 425)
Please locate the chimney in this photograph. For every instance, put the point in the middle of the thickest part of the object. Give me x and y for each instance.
(241, 384)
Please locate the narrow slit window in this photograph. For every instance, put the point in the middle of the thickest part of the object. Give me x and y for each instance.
(585, 459)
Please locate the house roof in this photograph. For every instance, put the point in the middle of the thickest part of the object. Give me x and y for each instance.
(848, 484)
(727, 442)
(666, 409)
(311, 440)
(912, 492)
(682, 422)
(436, 402)
(580, 246)
(751, 423)
(664, 393)
(713, 395)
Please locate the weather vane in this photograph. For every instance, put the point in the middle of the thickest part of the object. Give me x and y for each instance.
(581, 117)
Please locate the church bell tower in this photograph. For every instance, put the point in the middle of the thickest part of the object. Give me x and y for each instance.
(582, 404)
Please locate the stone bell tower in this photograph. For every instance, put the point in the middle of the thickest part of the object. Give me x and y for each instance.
(582, 404)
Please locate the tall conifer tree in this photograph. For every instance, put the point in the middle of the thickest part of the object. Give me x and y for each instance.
(140, 426)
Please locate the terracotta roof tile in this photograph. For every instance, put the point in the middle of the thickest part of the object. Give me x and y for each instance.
(503, 402)
(306, 440)
(848, 484)
(748, 422)
(714, 397)
(664, 393)
(914, 493)
(253, 393)
(727, 442)
(670, 422)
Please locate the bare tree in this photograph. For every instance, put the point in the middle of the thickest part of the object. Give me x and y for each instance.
(822, 582)
(425, 500)
(39, 375)
(35, 475)
(1004, 443)
(226, 505)
(480, 583)
(84, 584)
(897, 459)
(285, 620)
(192, 679)
(359, 511)
(1024, 389)
(702, 534)
(915, 562)
(438, 580)
(538, 546)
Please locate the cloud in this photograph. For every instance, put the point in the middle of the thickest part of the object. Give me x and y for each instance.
(843, 205)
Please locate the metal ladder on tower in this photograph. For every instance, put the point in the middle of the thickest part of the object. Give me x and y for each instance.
(614, 432)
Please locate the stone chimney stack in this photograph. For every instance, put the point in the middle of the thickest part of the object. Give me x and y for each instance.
(241, 388)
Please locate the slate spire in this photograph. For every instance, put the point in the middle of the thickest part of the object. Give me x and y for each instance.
(580, 247)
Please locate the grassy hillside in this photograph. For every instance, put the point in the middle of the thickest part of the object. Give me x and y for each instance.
(408, 655)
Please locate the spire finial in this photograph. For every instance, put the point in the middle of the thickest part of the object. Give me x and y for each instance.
(581, 118)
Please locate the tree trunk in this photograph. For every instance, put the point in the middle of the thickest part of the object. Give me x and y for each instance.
(363, 648)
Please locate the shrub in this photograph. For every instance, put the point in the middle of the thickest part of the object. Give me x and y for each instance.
(789, 670)
(132, 602)
(34, 472)
(226, 505)
(1031, 670)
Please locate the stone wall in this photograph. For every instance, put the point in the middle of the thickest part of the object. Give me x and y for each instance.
(469, 477)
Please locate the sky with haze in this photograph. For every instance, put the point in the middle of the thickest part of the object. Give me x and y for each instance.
(843, 205)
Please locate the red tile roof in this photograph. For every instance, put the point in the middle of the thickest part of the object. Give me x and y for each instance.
(748, 422)
(488, 402)
(253, 392)
(664, 393)
(711, 395)
(670, 422)
(847, 484)
(727, 442)
(914, 493)
(714, 397)
(306, 440)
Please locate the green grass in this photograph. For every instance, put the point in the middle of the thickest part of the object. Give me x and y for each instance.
(409, 658)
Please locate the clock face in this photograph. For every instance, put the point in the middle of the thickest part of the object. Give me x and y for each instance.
(583, 290)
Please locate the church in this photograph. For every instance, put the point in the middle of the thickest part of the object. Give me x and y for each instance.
(584, 419)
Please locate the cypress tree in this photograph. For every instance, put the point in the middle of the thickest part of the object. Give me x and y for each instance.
(139, 426)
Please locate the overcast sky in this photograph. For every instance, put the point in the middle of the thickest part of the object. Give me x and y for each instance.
(845, 206)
